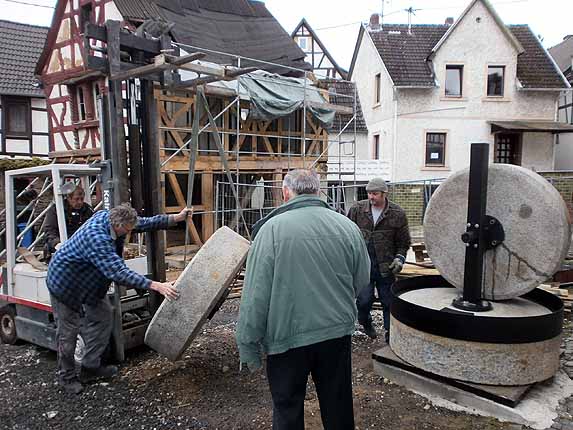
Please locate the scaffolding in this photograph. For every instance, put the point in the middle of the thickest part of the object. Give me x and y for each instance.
(248, 150)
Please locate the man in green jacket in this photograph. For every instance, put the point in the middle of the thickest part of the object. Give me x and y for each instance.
(305, 268)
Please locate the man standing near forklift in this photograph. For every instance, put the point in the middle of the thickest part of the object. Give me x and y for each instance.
(76, 212)
(79, 276)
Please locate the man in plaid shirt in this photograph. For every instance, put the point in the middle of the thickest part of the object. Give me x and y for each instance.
(79, 276)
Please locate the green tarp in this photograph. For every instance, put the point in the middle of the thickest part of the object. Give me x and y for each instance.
(274, 96)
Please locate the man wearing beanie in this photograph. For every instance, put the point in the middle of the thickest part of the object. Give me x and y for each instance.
(384, 227)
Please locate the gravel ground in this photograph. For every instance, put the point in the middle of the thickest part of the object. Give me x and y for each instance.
(205, 390)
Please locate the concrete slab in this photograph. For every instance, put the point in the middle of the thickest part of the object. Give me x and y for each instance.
(201, 285)
(537, 409)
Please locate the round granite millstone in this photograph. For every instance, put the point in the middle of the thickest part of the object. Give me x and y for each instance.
(201, 285)
(534, 218)
(477, 362)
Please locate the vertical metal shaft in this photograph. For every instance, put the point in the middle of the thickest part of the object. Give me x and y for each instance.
(475, 233)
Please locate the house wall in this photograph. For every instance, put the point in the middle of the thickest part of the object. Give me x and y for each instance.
(38, 144)
(564, 150)
(379, 117)
(66, 61)
(465, 118)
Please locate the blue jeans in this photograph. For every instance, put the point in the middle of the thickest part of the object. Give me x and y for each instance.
(366, 298)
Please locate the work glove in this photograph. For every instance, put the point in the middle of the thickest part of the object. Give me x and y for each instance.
(397, 265)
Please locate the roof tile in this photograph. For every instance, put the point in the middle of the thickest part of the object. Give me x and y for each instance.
(342, 93)
(405, 55)
(20, 48)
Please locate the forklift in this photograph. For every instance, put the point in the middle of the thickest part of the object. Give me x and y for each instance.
(25, 309)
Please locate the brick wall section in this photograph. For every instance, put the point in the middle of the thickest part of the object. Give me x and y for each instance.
(411, 198)
(563, 182)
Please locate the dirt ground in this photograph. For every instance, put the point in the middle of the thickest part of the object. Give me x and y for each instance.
(205, 390)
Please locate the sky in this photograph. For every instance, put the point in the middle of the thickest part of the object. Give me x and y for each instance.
(337, 21)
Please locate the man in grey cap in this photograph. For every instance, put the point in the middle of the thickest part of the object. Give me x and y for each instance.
(384, 227)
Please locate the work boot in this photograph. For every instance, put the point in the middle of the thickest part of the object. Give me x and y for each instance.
(71, 387)
(89, 374)
(369, 330)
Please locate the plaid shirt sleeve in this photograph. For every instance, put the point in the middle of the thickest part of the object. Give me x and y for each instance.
(157, 222)
(101, 253)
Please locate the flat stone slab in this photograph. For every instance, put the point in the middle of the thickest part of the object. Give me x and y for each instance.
(535, 407)
(533, 215)
(506, 395)
(201, 285)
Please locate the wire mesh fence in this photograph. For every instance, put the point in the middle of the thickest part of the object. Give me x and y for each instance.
(258, 200)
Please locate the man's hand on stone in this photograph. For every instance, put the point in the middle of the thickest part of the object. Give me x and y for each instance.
(166, 289)
(396, 266)
(181, 216)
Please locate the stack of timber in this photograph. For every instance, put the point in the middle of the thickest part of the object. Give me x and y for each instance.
(412, 269)
(177, 257)
(236, 287)
(562, 291)
(420, 252)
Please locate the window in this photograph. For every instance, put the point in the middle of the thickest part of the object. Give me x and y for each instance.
(17, 117)
(435, 149)
(508, 148)
(377, 88)
(302, 42)
(495, 77)
(95, 99)
(376, 147)
(81, 104)
(454, 81)
(85, 16)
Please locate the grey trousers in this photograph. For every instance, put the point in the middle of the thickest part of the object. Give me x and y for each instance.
(95, 330)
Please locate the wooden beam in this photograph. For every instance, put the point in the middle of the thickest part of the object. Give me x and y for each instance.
(193, 230)
(207, 70)
(101, 64)
(229, 76)
(207, 198)
(160, 64)
(152, 183)
(75, 153)
(127, 41)
(181, 164)
(115, 109)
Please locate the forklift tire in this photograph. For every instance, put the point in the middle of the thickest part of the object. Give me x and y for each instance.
(8, 333)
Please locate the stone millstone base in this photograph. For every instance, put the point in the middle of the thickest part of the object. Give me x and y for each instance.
(481, 363)
(201, 285)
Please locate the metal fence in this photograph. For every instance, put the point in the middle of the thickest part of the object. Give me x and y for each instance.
(259, 199)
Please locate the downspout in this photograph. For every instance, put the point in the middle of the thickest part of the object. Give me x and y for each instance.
(394, 137)
(555, 135)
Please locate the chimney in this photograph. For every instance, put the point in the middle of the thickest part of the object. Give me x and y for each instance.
(449, 21)
(374, 21)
